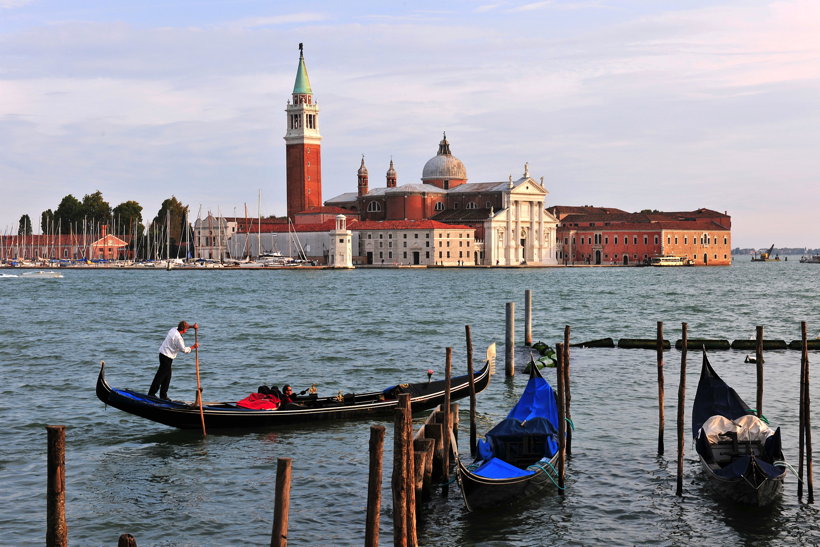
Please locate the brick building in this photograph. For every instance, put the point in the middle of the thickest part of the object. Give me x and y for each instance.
(596, 235)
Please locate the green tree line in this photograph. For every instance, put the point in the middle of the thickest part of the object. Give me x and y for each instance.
(74, 216)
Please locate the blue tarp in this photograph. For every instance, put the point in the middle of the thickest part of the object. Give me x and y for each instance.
(495, 468)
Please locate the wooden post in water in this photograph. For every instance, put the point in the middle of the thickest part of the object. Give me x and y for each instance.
(802, 419)
(681, 402)
(426, 445)
(567, 395)
(759, 366)
(528, 317)
(399, 480)
(807, 422)
(281, 506)
(409, 470)
(127, 540)
(56, 529)
(660, 388)
(509, 342)
(374, 486)
(562, 424)
(472, 391)
(448, 371)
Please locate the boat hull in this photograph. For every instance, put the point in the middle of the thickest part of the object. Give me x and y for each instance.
(485, 493)
(227, 415)
(746, 490)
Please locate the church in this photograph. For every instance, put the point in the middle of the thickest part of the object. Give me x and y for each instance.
(507, 220)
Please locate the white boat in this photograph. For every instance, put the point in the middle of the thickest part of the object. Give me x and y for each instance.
(813, 259)
(42, 274)
(668, 260)
(7, 275)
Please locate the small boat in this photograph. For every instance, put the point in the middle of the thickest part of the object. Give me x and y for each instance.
(185, 415)
(668, 260)
(813, 259)
(5, 275)
(517, 457)
(740, 454)
(42, 274)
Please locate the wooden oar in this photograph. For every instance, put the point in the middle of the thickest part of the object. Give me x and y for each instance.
(198, 385)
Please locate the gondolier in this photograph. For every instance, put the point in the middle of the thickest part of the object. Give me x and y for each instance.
(168, 351)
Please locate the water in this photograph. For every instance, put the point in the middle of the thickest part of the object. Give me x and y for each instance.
(367, 329)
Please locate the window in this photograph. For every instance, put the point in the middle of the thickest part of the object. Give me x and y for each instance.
(390, 254)
(381, 236)
(725, 242)
(369, 236)
(616, 239)
(404, 244)
(635, 242)
(416, 236)
(439, 206)
(685, 240)
(668, 240)
(606, 240)
(374, 207)
(455, 205)
(645, 240)
(676, 240)
(341, 240)
(439, 254)
(389, 236)
(488, 205)
(656, 240)
(471, 205)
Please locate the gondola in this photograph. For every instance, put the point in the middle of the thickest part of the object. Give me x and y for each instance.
(517, 457)
(185, 415)
(741, 455)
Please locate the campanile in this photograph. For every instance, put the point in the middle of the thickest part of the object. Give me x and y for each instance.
(303, 145)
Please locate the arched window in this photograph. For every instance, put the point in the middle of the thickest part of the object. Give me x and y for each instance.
(439, 206)
(471, 205)
(374, 207)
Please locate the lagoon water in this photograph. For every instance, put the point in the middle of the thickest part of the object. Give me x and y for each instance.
(365, 330)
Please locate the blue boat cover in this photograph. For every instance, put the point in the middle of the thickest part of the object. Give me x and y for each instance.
(495, 468)
(528, 433)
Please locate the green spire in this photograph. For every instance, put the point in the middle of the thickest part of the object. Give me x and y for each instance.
(302, 85)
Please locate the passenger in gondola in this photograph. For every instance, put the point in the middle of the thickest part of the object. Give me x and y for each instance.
(289, 399)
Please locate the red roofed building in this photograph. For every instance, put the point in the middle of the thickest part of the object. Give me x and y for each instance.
(415, 242)
(592, 235)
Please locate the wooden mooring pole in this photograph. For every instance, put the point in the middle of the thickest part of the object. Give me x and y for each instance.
(807, 417)
(681, 402)
(409, 472)
(509, 342)
(56, 529)
(660, 387)
(447, 422)
(281, 506)
(567, 394)
(528, 317)
(759, 366)
(399, 478)
(374, 486)
(562, 424)
(472, 390)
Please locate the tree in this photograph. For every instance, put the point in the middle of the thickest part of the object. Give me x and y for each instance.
(128, 222)
(47, 221)
(69, 213)
(96, 209)
(24, 227)
(173, 215)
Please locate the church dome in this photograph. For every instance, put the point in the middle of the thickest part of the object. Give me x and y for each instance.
(444, 166)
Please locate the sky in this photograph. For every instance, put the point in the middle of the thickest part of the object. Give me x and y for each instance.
(634, 104)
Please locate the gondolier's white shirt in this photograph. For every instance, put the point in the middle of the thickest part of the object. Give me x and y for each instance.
(173, 344)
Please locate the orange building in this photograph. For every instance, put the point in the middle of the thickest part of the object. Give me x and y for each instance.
(595, 235)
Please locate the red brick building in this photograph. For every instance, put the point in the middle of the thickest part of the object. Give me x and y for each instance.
(596, 235)
(44, 247)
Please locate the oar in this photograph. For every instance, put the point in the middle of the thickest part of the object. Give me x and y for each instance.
(198, 385)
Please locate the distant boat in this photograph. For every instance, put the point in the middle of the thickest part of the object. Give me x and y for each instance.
(813, 259)
(669, 260)
(766, 256)
(7, 275)
(42, 275)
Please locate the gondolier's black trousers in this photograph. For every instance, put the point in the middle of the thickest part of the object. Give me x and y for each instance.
(162, 379)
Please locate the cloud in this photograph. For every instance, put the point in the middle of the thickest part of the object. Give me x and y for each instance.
(11, 4)
(276, 20)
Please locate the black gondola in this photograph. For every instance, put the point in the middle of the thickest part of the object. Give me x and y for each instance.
(185, 415)
(517, 458)
(740, 455)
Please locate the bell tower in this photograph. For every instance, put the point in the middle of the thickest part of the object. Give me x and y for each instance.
(303, 145)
